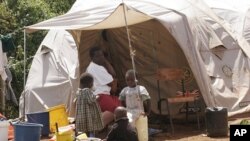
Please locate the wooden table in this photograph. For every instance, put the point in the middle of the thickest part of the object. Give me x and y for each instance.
(183, 99)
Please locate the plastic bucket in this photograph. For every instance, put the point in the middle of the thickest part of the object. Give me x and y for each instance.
(141, 125)
(64, 136)
(4, 126)
(41, 118)
(57, 115)
(27, 131)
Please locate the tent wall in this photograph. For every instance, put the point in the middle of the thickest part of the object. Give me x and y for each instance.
(236, 13)
(53, 76)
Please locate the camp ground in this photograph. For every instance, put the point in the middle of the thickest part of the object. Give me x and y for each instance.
(156, 36)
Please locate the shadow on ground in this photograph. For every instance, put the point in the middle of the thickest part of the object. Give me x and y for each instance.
(183, 130)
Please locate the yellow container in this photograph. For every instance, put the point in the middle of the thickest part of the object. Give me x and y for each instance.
(57, 115)
(65, 136)
(141, 125)
(82, 136)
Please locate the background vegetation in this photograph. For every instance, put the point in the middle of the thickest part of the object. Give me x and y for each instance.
(14, 15)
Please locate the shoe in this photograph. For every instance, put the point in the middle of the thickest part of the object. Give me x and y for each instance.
(152, 131)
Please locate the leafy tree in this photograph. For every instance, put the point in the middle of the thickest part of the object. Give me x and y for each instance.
(16, 14)
(59, 6)
(7, 21)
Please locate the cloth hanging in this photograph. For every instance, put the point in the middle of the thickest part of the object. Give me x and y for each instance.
(7, 42)
(9, 93)
(3, 63)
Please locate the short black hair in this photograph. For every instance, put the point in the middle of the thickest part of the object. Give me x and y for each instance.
(131, 72)
(86, 79)
(120, 112)
(93, 50)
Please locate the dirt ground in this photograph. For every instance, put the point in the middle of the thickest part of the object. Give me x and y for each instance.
(183, 132)
(188, 131)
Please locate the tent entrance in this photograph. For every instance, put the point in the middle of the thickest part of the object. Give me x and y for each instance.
(155, 48)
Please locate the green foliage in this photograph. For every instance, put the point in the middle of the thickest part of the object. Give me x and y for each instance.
(59, 6)
(16, 14)
(7, 21)
(245, 122)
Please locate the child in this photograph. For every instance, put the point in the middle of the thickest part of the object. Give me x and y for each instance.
(137, 100)
(121, 130)
(88, 113)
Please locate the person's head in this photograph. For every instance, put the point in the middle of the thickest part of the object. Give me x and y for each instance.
(96, 54)
(86, 80)
(120, 112)
(130, 78)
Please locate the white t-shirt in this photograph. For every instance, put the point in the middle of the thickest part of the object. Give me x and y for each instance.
(134, 98)
(101, 78)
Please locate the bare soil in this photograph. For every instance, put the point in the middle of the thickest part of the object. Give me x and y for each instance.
(183, 132)
(186, 131)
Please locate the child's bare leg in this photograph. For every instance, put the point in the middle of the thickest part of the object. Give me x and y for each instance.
(107, 117)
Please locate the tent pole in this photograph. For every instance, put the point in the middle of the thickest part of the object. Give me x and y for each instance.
(24, 73)
(158, 81)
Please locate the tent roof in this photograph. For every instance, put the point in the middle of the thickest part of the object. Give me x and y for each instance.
(110, 14)
(98, 18)
(236, 13)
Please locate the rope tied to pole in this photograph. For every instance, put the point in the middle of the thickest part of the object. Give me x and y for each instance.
(132, 55)
(131, 50)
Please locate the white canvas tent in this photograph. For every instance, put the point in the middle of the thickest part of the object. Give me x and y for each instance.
(53, 76)
(165, 34)
(236, 13)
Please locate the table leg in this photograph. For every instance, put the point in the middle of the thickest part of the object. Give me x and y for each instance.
(186, 111)
(197, 113)
(170, 117)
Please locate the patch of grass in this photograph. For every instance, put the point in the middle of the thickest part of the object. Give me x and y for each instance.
(245, 122)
